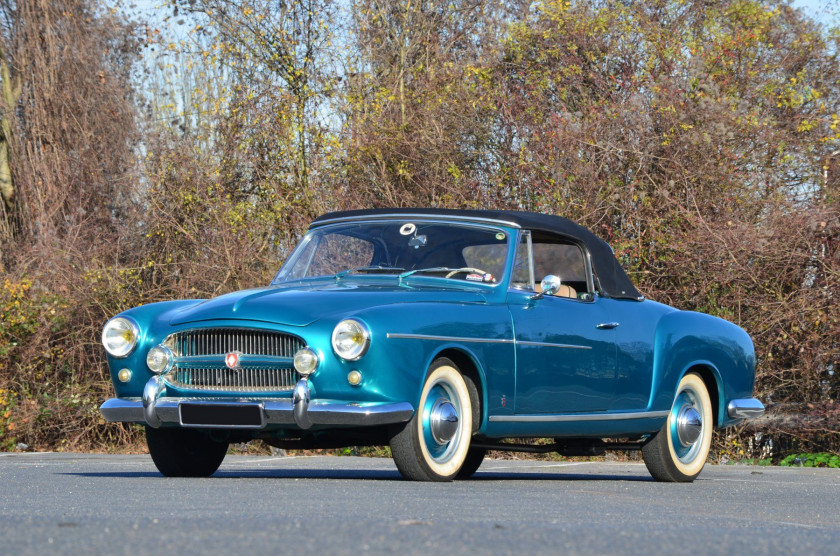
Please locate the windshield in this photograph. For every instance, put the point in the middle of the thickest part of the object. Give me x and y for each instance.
(456, 251)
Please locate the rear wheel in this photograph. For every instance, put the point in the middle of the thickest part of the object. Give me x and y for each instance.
(434, 444)
(185, 452)
(678, 452)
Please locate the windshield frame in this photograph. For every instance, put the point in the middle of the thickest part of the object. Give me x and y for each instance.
(301, 248)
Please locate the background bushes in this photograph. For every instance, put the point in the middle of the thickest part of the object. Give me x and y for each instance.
(180, 152)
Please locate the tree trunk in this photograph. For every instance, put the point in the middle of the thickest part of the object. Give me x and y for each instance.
(10, 92)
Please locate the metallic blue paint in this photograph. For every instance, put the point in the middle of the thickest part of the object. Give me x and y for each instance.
(562, 379)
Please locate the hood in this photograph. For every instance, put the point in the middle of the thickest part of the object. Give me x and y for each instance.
(302, 305)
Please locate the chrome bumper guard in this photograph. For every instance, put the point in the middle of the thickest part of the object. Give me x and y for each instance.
(747, 408)
(299, 410)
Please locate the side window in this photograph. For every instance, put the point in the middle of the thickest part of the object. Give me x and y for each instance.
(337, 252)
(566, 260)
(563, 260)
(301, 263)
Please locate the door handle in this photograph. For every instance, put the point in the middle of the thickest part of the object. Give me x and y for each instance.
(607, 325)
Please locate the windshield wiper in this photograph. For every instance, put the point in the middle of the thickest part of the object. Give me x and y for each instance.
(432, 269)
(371, 268)
(450, 272)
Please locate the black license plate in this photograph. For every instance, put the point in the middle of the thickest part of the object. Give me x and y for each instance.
(223, 415)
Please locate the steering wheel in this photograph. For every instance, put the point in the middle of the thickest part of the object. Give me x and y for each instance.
(467, 269)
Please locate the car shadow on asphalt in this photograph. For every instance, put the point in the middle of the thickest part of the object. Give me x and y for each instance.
(367, 475)
(498, 476)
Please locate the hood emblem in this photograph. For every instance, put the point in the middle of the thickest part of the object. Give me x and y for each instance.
(232, 360)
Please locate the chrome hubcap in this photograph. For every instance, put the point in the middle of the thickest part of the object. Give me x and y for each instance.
(443, 421)
(689, 426)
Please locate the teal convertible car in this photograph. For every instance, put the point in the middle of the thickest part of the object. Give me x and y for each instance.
(443, 334)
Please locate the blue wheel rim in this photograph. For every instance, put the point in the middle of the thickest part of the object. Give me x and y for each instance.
(441, 453)
(686, 398)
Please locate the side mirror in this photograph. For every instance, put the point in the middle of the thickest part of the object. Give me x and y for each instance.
(550, 285)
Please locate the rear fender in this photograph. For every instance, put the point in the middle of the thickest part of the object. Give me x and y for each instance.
(687, 340)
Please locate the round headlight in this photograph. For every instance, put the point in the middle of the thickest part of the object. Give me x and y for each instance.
(159, 359)
(350, 339)
(120, 336)
(306, 361)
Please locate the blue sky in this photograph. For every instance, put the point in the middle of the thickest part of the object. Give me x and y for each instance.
(821, 10)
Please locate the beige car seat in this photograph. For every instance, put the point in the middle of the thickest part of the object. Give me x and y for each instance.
(564, 291)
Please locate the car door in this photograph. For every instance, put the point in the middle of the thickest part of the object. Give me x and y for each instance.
(565, 345)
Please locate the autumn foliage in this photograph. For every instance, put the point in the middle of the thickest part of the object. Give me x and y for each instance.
(700, 139)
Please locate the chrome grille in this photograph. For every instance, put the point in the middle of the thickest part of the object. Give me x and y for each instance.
(219, 341)
(228, 380)
(197, 368)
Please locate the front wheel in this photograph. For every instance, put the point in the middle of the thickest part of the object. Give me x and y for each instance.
(185, 452)
(678, 452)
(471, 463)
(433, 445)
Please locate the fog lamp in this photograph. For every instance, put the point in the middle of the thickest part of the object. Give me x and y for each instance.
(160, 359)
(306, 361)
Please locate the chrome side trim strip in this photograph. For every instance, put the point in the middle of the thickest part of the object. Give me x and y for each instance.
(448, 338)
(407, 216)
(546, 344)
(479, 340)
(579, 417)
(746, 408)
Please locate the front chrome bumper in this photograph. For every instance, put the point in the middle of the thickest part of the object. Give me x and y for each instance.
(299, 410)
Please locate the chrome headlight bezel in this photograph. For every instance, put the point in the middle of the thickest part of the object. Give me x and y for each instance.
(358, 335)
(127, 326)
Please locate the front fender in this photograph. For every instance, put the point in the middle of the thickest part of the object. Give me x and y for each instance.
(402, 349)
(152, 320)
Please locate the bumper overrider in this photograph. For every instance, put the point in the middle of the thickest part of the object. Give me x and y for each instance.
(249, 413)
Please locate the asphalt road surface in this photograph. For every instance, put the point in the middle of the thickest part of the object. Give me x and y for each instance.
(106, 504)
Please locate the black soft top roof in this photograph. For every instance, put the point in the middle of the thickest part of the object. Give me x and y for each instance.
(610, 278)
